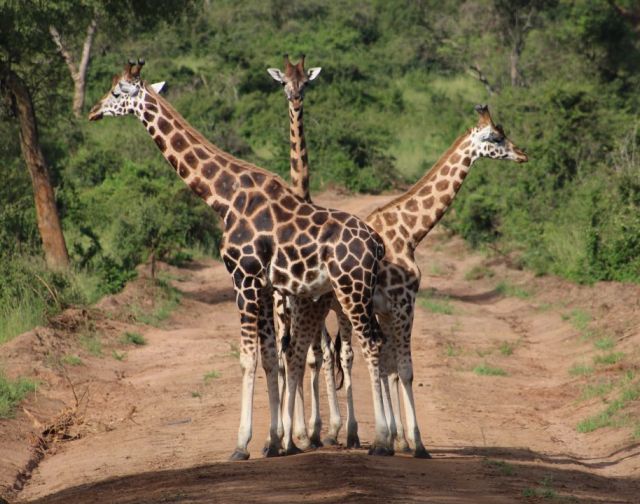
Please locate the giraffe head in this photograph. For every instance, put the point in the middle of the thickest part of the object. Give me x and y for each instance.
(490, 141)
(125, 94)
(294, 79)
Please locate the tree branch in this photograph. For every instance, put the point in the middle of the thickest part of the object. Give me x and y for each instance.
(66, 55)
(475, 71)
(86, 47)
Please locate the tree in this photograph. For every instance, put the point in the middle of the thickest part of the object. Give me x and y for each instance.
(118, 17)
(515, 19)
(21, 45)
(78, 71)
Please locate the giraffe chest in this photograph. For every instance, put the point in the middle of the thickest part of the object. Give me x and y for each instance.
(312, 282)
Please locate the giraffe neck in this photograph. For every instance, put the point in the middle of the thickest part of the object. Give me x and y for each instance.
(211, 173)
(298, 154)
(406, 220)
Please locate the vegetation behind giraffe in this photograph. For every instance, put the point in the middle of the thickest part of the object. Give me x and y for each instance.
(399, 82)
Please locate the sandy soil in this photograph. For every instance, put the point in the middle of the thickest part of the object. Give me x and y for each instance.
(157, 423)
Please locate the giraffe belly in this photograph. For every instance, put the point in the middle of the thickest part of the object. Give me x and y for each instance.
(314, 282)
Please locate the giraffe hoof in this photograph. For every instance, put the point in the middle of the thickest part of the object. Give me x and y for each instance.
(330, 441)
(422, 453)
(292, 450)
(380, 451)
(353, 441)
(403, 448)
(303, 442)
(239, 455)
(271, 451)
(315, 442)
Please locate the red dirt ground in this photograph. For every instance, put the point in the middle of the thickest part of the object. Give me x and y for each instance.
(150, 428)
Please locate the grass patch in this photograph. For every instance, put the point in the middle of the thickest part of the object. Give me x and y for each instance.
(196, 394)
(592, 390)
(234, 350)
(506, 348)
(435, 305)
(611, 416)
(452, 350)
(479, 272)
(12, 392)
(485, 369)
(580, 370)
(436, 269)
(507, 289)
(211, 375)
(134, 338)
(636, 431)
(119, 356)
(608, 359)
(71, 360)
(604, 343)
(580, 320)
(501, 466)
(167, 299)
(92, 344)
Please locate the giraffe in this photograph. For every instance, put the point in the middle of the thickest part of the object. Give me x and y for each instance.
(271, 239)
(403, 223)
(294, 80)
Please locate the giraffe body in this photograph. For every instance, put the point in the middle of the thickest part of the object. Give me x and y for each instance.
(272, 239)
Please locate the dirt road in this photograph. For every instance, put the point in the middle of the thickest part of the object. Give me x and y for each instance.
(506, 367)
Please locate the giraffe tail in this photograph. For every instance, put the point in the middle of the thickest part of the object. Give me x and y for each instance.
(337, 346)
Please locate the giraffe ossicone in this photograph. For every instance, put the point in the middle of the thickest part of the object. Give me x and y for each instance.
(272, 239)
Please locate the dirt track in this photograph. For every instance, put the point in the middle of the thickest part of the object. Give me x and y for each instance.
(155, 430)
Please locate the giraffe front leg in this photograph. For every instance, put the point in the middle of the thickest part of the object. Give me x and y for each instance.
(282, 324)
(405, 373)
(335, 421)
(247, 296)
(314, 361)
(346, 362)
(299, 425)
(269, 354)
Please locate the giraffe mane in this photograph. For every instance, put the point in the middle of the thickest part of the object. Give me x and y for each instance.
(432, 171)
(206, 143)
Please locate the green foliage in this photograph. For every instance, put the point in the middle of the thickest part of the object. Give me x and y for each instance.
(166, 299)
(478, 272)
(609, 359)
(611, 416)
(211, 375)
(92, 343)
(580, 370)
(435, 304)
(71, 360)
(506, 289)
(12, 392)
(134, 338)
(485, 369)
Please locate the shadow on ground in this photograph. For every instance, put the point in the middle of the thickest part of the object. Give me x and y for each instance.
(339, 476)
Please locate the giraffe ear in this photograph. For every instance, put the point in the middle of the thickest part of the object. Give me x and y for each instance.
(276, 74)
(158, 86)
(313, 72)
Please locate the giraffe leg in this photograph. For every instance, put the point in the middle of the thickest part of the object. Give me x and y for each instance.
(335, 421)
(282, 337)
(366, 328)
(389, 369)
(299, 424)
(247, 298)
(405, 372)
(314, 361)
(387, 401)
(269, 357)
(295, 360)
(346, 361)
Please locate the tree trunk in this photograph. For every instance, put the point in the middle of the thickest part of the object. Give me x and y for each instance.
(514, 60)
(53, 243)
(79, 73)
